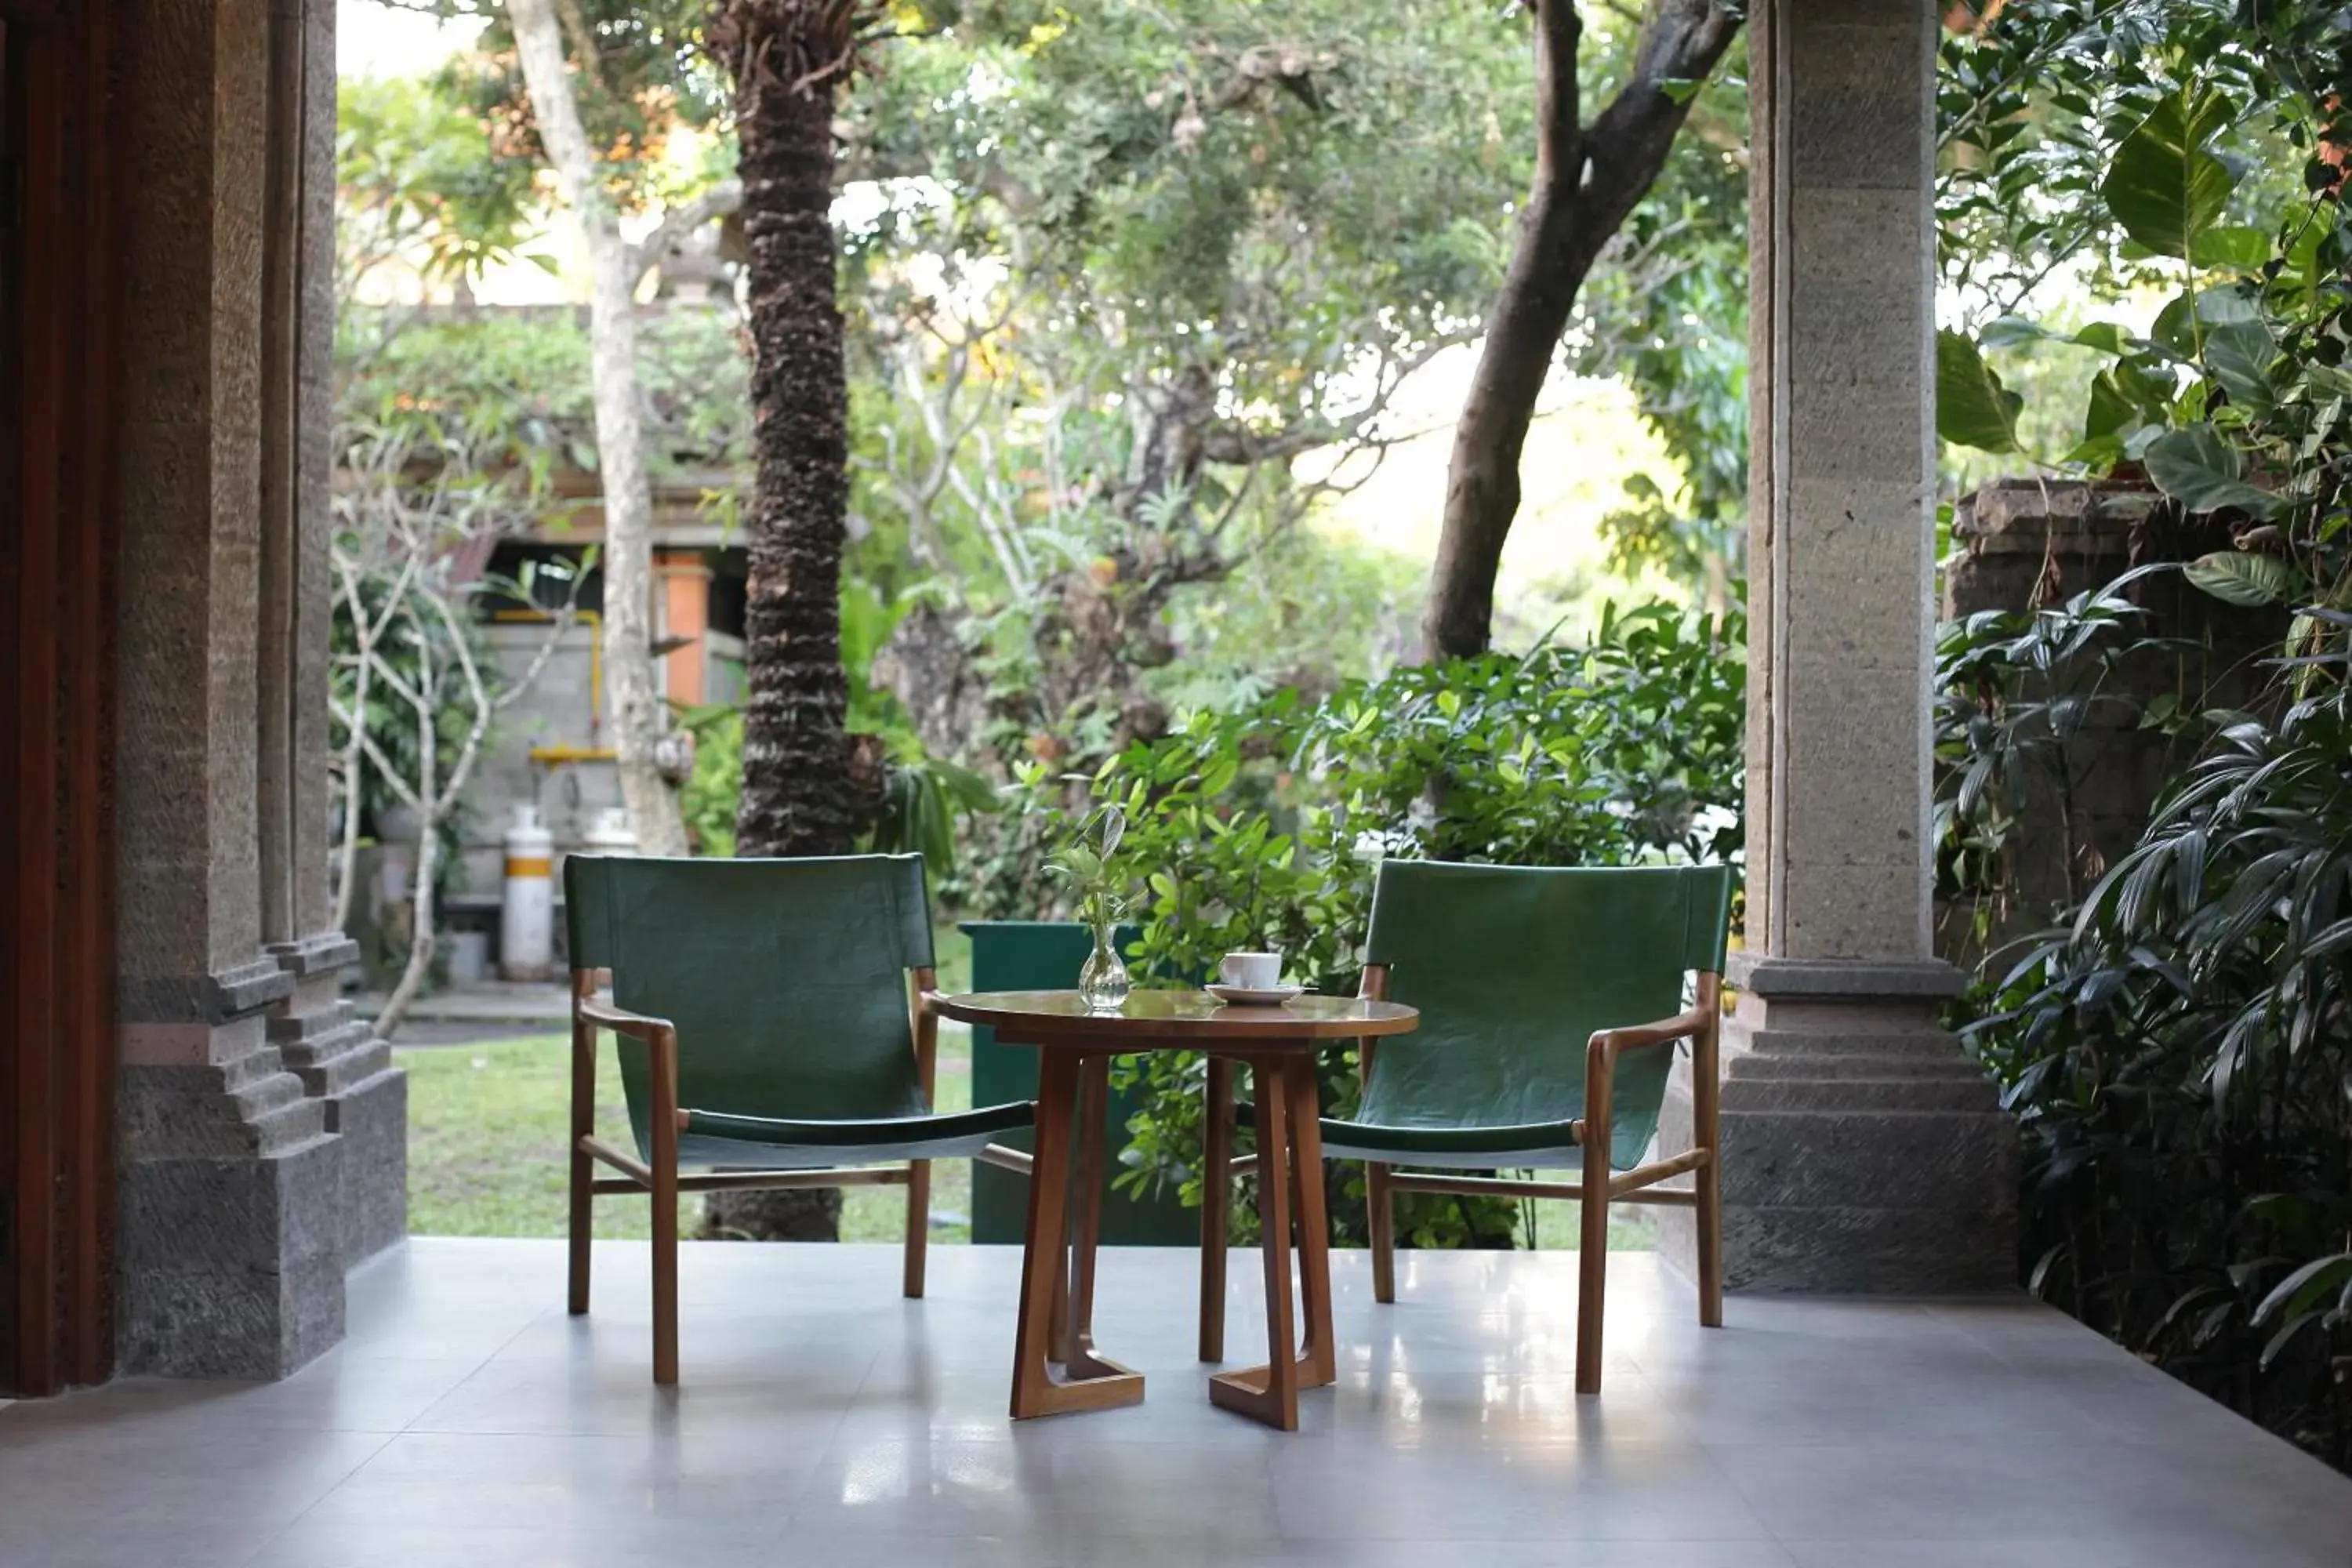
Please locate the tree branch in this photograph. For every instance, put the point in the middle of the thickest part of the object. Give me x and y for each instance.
(1558, 105)
(680, 223)
(1628, 142)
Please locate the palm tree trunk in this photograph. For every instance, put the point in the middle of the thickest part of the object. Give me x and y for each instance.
(785, 57)
(796, 796)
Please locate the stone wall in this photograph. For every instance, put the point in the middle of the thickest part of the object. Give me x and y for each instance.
(2030, 544)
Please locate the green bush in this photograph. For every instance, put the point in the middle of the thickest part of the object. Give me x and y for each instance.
(1263, 826)
(2179, 1052)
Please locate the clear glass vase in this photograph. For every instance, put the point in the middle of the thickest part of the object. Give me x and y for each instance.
(1103, 984)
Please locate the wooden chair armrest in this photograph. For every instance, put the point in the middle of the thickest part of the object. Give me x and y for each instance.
(661, 1037)
(621, 1021)
(924, 1016)
(1638, 1036)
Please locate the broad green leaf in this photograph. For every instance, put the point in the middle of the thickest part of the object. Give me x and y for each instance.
(2175, 331)
(2010, 331)
(1972, 407)
(2236, 577)
(2123, 395)
(2239, 353)
(2301, 1290)
(2237, 247)
(2106, 336)
(1681, 89)
(2098, 453)
(2164, 186)
(2201, 471)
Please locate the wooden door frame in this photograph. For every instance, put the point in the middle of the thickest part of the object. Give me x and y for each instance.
(60, 362)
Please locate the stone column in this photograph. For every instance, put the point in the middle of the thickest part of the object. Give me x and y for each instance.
(1862, 1149)
(235, 1192)
(336, 1056)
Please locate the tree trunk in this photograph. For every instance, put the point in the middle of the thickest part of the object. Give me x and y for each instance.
(1587, 183)
(797, 797)
(633, 693)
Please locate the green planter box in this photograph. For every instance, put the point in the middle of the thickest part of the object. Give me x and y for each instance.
(1045, 955)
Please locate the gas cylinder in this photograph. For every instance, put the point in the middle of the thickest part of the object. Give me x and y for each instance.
(527, 918)
(610, 832)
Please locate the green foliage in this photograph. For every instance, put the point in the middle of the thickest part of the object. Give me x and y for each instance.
(2082, 138)
(2177, 135)
(513, 385)
(715, 790)
(1087, 865)
(640, 74)
(1670, 318)
(1261, 827)
(2177, 1057)
(2165, 187)
(1972, 407)
(419, 184)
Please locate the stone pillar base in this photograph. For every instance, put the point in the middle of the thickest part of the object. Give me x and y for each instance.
(231, 1266)
(265, 1151)
(343, 1065)
(1862, 1151)
(228, 1250)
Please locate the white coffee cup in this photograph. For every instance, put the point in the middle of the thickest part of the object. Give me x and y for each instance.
(1251, 971)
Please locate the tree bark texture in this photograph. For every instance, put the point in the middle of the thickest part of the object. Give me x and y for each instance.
(785, 57)
(797, 795)
(1588, 181)
(633, 692)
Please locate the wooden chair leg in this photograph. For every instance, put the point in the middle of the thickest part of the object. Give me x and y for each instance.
(1591, 1281)
(1706, 1096)
(918, 1223)
(665, 1200)
(1380, 1205)
(1593, 1230)
(664, 1065)
(1216, 1197)
(583, 1231)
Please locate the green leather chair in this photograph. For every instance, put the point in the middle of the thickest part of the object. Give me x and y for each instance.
(767, 1037)
(1550, 1000)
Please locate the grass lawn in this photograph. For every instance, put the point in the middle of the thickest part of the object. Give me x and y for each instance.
(486, 1132)
(486, 1127)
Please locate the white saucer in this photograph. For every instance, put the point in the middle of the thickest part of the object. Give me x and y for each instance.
(1243, 997)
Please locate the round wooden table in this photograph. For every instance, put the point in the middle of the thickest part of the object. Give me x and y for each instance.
(1074, 1047)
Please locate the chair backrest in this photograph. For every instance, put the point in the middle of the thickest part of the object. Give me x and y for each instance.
(787, 979)
(1515, 967)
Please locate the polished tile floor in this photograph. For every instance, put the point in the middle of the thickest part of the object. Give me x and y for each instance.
(826, 1422)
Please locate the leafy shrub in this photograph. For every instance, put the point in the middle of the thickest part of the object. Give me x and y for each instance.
(2179, 1053)
(1263, 827)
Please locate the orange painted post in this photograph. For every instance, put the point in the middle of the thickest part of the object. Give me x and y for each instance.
(685, 622)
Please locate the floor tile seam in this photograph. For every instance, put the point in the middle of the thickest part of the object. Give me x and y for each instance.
(337, 1484)
(474, 1370)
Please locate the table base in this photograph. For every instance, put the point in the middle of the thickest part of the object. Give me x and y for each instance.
(1056, 1322)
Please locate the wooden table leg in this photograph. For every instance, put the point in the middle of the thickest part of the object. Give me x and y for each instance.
(1270, 1392)
(1035, 1390)
(1216, 1201)
(1318, 1361)
(1079, 1357)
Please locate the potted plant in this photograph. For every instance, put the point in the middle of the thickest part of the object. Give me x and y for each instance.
(1097, 895)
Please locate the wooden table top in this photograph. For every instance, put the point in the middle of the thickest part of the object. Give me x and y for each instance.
(1156, 1018)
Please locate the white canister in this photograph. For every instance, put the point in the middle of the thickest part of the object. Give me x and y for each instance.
(610, 832)
(527, 917)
